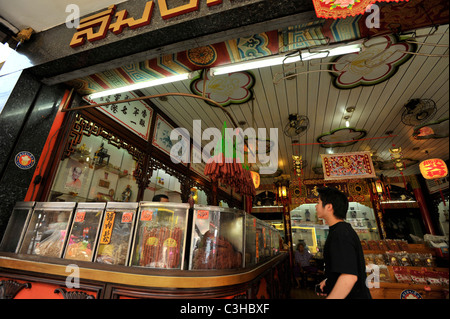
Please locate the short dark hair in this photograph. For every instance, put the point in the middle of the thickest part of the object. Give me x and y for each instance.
(335, 197)
(157, 198)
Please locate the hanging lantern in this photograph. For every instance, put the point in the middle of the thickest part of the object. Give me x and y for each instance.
(433, 168)
(256, 179)
(337, 9)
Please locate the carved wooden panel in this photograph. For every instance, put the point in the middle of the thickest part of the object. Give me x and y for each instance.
(10, 288)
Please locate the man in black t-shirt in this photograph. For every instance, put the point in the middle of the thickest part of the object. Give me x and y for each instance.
(345, 269)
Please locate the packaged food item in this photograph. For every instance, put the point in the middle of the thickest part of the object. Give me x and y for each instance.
(433, 278)
(373, 245)
(392, 259)
(401, 274)
(382, 245)
(364, 245)
(369, 259)
(443, 277)
(418, 277)
(116, 233)
(392, 245)
(418, 260)
(160, 235)
(429, 260)
(379, 260)
(384, 274)
(402, 244)
(404, 258)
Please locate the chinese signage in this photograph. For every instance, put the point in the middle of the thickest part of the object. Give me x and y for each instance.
(135, 116)
(433, 168)
(347, 166)
(96, 27)
(107, 228)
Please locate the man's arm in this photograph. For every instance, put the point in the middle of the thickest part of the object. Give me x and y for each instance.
(343, 286)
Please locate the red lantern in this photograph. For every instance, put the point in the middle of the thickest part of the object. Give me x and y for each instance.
(433, 168)
(337, 9)
(256, 179)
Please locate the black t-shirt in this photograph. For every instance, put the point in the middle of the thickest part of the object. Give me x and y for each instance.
(343, 254)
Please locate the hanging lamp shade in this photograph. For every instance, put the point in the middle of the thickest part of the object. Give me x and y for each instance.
(340, 9)
(433, 168)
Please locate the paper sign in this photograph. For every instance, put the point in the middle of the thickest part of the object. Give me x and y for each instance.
(107, 228)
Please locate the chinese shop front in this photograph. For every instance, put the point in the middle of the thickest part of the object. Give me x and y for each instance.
(85, 159)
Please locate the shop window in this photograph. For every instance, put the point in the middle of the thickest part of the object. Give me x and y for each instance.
(95, 172)
(307, 228)
(163, 183)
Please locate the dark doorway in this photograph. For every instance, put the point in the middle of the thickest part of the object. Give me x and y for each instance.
(401, 223)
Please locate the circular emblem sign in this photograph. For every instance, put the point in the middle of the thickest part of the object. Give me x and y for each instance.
(410, 294)
(24, 160)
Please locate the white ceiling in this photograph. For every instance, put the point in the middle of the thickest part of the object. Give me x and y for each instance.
(379, 107)
(45, 14)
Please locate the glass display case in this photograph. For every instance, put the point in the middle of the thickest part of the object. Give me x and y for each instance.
(250, 241)
(16, 227)
(116, 233)
(217, 238)
(47, 230)
(84, 231)
(160, 236)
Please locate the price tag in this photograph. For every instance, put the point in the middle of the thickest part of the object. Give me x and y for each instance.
(79, 218)
(127, 217)
(202, 214)
(146, 215)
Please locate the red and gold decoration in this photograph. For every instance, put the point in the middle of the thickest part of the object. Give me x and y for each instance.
(337, 9)
(397, 159)
(434, 168)
(347, 166)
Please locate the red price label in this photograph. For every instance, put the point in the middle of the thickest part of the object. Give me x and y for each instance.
(127, 217)
(146, 215)
(79, 218)
(202, 214)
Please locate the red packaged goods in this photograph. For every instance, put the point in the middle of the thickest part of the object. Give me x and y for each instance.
(364, 245)
(418, 277)
(382, 244)
(216, 255)
(392, 245)
(402, 244)
(443, 277)
(401, 275)
(432, 277)
(373, 245)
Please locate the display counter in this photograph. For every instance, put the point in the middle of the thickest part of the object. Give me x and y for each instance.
(151, 250)
(32, 277)
(402, 271)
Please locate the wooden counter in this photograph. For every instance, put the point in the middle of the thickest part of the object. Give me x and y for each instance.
(108, 281)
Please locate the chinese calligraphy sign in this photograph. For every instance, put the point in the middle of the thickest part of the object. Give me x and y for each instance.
(347, 166)
(135, 116)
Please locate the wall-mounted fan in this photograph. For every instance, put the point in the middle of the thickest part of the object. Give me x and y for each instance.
(418, 110)
(297, 126)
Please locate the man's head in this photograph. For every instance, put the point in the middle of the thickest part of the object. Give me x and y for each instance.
(160, 198)
(331, 199)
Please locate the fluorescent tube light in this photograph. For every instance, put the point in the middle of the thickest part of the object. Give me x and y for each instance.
(278, 60)
(141, 85)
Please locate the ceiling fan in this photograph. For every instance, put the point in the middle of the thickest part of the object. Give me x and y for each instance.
(417, 111)
(297, 126)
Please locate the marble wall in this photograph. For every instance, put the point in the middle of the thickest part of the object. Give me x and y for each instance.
(25, 122)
